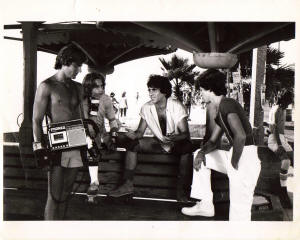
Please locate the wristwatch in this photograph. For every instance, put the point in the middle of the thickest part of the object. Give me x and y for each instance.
(36, 146)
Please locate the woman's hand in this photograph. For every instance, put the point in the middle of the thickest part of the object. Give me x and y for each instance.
(200, 157)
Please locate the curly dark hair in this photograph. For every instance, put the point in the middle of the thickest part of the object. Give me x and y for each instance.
(285, 99)
(160, 82)
(89, 83)
(213, 80)
(69, 54)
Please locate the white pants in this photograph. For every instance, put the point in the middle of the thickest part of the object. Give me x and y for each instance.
(242, 182)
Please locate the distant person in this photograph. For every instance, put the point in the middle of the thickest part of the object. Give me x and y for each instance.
(235, 94)
(97, 107)
(240, 163)
(279, 144)
(187, 101)
(115, 103)
(59, 98)
(123, 105)
(272, 100)
(167, 119)
(137, 97)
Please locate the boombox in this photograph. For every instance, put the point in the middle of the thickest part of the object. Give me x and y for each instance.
(66, 135)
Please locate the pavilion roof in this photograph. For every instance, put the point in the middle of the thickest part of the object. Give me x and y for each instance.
(110, 43)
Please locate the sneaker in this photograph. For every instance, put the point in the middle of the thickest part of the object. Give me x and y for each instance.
(93, 189)
(205, 209)
(125, 189)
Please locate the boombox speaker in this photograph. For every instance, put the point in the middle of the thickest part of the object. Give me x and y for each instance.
(66, 135)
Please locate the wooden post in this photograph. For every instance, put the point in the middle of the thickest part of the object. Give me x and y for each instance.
(30, 74)
(256, 111)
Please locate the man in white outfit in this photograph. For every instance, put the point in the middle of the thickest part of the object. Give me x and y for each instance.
(167, 119)
(240, 163)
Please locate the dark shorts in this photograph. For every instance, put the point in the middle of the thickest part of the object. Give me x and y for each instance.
(153, 145)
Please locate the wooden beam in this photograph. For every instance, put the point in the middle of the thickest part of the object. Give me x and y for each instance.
(61, 26)
(13, 26)
(124, 53)
(29, 30)
(13, 38)
(171, 34)
(259, 35)
(256, 110)
(212, 33)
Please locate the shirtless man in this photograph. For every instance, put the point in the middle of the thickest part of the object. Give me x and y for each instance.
(59, 98)
(167, 119)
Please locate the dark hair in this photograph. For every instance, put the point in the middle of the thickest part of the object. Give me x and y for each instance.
(285, 99)
(160, 82)
(89, 83)
(214, 81)
(123, 94)
(112, 94)
(69, 54)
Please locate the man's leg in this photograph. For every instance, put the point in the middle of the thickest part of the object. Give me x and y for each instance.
(69, 179)
(285, 165)
(55, 188)
(93, 166)
(201, 186)
(185, 169)
(143, 145)
(127, 187)
(60, 182)
(185, 177)
(242, 184)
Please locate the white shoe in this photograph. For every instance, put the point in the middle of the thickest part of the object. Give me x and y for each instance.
(202, 208)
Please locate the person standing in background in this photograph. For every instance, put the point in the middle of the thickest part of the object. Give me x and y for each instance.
(115, 104)
(279, 144)
(123, 105)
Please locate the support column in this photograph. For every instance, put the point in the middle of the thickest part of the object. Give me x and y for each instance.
(256, 111)
(30, 81)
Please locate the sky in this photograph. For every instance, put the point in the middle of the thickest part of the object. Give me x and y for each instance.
(130, 77)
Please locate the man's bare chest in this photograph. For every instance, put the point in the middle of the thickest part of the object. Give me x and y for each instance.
(161, 114)
(64, 96)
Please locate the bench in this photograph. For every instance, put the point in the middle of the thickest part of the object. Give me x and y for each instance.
(155, 180)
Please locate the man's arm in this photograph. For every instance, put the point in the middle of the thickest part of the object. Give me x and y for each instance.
(183, 132)
(278, 119)
(139, 133)
(209, 146)
(85, 108)
(239, 138)
(39, 109)
(110, 115)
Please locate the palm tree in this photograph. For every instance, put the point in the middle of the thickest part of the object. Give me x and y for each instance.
(278, 77)
(179, 72)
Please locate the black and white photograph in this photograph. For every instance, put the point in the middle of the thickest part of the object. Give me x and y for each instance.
(162, 120)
